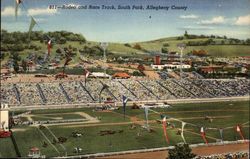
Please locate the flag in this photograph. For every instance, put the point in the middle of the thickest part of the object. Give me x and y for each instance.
(32, 24)
(164, 123)
(182, 131)
(203, 135)
(124, 102)
(86, 75)
(146, 116)
(221, 133)
(16, 7)
(49, 46)
(238, 129)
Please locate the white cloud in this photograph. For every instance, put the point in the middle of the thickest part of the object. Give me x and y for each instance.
(10, 11)
(214, 20)
(243, 20)
(41, 11)
(190, 16)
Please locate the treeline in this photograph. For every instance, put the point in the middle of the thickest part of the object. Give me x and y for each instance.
(222, 42)
(18, 41)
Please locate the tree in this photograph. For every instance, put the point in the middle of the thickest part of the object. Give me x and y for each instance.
(186, 34)
(180, 38)
(62, 40)
(137, 46)
(137, 73)
(15, 66)
(24, 65)
(2, 55)
(166, 45)
(247, 41)
(164, 50)
(15, 57)
(58, 51)
(181, 151)
(127, 45)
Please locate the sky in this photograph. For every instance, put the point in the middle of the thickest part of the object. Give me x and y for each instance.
(217, 17)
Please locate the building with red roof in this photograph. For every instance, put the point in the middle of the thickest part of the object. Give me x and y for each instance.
(122, 75)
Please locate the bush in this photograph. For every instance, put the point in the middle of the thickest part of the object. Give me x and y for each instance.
(164, 50)
(165, 45)
(127, 45)
(181, 151)
(137, 46)
(137, 73)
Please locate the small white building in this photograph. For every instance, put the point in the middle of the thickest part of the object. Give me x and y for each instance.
(99, 75)
(4, 117)
(171, 66)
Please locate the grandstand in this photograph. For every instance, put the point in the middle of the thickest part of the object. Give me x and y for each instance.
(76, 92)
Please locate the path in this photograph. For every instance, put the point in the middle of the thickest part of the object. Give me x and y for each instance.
(202, 151)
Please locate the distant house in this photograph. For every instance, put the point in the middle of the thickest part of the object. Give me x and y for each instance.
(121, 75)
(173, 56)
(210, 69)
(99, 75)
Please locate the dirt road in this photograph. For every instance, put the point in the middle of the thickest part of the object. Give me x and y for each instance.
(202, 151)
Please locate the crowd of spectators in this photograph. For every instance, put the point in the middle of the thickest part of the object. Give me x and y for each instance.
(193, 89)
(7, 95)
(235, 155)
(234, 87)
(141, 92)
(119, 90)
(160, 92)
(76, 93)
(28, 93)
(95, 86)
(176, 89)
(53, 93)
(211, 87)
(145, 89)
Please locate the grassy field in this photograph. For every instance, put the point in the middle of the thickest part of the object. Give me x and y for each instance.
(213, 50)
(121, 49)
(7, 148)
(224, 114)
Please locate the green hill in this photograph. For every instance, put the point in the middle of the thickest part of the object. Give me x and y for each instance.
(213, 45)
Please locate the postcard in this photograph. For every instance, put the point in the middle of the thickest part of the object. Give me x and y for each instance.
(125, 79)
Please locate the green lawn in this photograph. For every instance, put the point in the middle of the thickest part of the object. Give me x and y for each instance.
(7, 148)
(92, 142)
(213, 50)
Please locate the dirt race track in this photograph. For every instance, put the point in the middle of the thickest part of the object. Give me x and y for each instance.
(202, 151)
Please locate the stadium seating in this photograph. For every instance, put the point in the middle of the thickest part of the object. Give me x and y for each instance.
(76, 92)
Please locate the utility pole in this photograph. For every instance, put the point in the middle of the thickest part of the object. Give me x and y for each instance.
(104, 46)
(181, 46)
